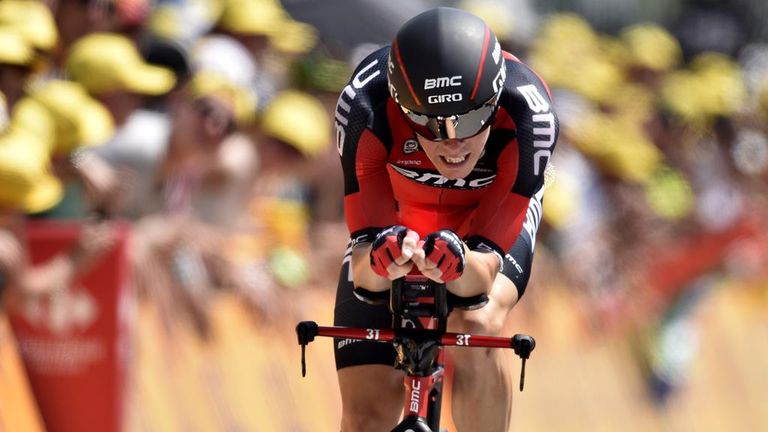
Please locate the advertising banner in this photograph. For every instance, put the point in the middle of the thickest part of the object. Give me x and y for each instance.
(75, 343)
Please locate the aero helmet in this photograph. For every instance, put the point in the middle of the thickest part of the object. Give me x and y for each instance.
(446, 72)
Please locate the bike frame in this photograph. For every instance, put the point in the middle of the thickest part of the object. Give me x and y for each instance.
(416, 302)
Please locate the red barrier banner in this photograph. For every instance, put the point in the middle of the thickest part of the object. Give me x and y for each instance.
(75, 344)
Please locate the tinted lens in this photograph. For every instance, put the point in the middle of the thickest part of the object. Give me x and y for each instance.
(464, 125)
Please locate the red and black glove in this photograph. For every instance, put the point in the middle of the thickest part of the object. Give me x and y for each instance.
(446, 250)
(386, 248)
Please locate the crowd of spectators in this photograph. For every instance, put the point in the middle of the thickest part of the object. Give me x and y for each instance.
(659, 192)
(208, 125)
(180, 117)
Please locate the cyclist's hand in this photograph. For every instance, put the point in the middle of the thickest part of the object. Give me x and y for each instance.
(392, 250)
(442, 256)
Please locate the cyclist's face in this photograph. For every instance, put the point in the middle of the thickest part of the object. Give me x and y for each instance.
(455, 158)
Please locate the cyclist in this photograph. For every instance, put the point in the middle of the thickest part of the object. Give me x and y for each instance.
(444, 139)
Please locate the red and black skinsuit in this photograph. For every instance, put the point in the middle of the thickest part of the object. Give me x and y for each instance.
(389, 180)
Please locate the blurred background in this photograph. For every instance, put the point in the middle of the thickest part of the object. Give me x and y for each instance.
(171, 206)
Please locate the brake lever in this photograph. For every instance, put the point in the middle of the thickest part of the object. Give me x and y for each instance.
(306, 332)
(523, 346)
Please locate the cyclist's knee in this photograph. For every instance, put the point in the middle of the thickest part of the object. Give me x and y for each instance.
(482, 321)
(372, 397)
(361, 423)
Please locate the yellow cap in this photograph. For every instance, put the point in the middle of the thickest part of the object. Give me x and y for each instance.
(32, 20)
(163, 22)
(253, 17)
(568, 53)
(562, 201)
(25, 175)
(680, 96)
(107, 62)
(267, 18)
(713, 86)
(499, 17)
(213, 84)
(632, 101)
(723, 91)
(569, 28)
(651, 46)
(294, 37)
(595, 78)
(79, 119)
(14, 49)
(668, 193)
(300, 120)
(617, 145)
(37, 123)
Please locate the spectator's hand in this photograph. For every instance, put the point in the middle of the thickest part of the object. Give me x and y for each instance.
(53, 276)
(104, 185)
(392, 250)
(158, 234)
(95, 239)
(11, 260)
(11, 252)
(441, 257)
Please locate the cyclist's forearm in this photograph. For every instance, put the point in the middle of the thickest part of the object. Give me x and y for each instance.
(480, 271)
(362, 273)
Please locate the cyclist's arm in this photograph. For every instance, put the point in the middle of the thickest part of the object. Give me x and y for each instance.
(369, 205)
(480, 270)
(362, 272)
(515, 202)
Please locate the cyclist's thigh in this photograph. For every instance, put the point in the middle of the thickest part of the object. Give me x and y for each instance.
(371, 388)
(352, 312)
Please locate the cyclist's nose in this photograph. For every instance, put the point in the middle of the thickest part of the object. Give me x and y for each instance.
(452, 143)
(450, 128)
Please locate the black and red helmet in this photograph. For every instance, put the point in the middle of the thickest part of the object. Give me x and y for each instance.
(443, 63)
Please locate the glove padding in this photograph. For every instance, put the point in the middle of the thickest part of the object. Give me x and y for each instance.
(386, 248)
(446, 250)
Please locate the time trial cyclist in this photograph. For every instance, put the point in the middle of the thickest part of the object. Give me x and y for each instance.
(444, 140)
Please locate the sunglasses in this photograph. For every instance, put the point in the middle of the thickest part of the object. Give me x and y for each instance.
(218, 114)
(459, 126)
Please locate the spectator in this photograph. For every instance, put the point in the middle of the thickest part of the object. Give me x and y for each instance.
(78, 18)
(110, 67)
(295, 139)
(197, 163)
(272, 38)
(112, 71)
(28, 186)
(188, 194)
(33, 22)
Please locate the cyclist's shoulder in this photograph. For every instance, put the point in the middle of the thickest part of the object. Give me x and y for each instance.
(362, 103)
(522, 82)
(367, 85)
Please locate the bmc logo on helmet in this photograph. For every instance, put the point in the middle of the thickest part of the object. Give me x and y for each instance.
(454, 97)
(454, 81)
